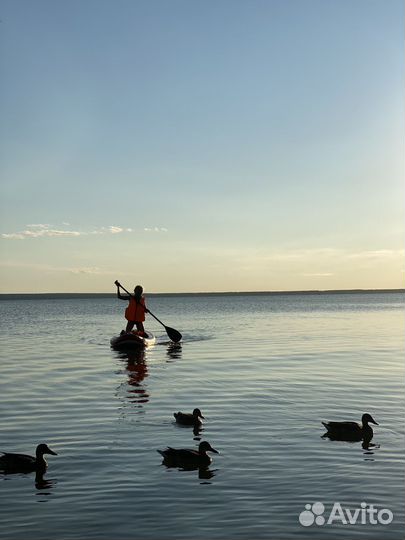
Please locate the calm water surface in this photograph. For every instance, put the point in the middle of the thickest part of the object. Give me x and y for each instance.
(265, 370)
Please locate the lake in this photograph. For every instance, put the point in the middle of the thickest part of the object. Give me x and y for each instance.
(265, 369)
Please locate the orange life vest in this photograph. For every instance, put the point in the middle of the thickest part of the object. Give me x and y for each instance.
(135, 310)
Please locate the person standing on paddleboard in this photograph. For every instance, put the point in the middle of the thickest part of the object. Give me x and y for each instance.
(135, 312)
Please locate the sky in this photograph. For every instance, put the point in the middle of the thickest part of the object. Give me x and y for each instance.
(193, 146)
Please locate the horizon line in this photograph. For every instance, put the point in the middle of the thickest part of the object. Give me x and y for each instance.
(213, 293)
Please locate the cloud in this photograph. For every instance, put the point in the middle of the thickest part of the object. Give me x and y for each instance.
(13, 236)
(40, 230)
(155, 229)
(112, 229)
(86, 270)
(41, 225)
(378, 254)
(40, 233)
(51, 268)
(327, 254)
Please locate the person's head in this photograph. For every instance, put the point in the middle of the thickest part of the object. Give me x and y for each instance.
(138, 291)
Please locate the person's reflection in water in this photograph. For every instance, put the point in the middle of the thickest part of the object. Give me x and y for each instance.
(137, 371)
(174, 351)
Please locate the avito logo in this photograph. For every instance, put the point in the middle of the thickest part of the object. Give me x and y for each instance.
(366, 514)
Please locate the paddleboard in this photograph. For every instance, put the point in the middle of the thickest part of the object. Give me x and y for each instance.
(132, 340)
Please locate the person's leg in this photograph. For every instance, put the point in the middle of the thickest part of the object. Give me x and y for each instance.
(140, 327)
(130, 325)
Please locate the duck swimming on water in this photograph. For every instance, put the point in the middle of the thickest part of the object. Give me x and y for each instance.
(351, 430)
(189, 419)
(181, 457)
(16, 463)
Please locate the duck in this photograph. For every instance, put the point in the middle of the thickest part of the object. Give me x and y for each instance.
(189, 419)
(181, 457)
(15, 463)
(351, 430)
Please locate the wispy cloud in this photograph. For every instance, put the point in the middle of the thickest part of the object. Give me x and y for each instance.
(41, 225)
(41, 230)
(328, 254)
(51, 268)
(37, 233)
(86, 270)
(112, 229)
(378, 254)
(155, 229)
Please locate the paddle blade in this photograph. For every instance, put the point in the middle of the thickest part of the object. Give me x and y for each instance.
(173, 334)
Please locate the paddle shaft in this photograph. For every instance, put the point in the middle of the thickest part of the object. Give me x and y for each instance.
(171, 331)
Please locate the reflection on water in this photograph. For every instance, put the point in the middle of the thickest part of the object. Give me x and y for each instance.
(203, 473)
(369, 448)
(137, 371)
(174, 351)
(197, 429)
(366, 443)
(42, 483)
(206, 474)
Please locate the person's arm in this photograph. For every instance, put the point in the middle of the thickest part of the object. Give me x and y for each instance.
(122, 296)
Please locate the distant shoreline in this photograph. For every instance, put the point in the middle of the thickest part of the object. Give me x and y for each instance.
(10, 296)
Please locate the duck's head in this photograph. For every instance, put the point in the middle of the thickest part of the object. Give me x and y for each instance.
(205, 446)
(197, 414)
(44, 449)
(368, 419)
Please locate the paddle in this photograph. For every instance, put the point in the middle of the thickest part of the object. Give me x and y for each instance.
(173, 334)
